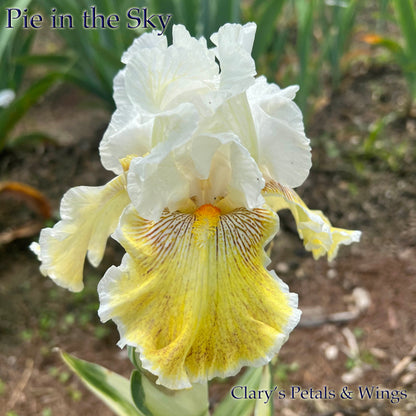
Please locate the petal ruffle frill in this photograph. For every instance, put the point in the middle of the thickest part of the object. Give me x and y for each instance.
(269, 124)
(214, 169)
(193, 295)
(314, 228)
(89, 215)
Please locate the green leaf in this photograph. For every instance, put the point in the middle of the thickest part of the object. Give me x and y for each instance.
(406, 17)
(266, 383)
(227, 11)
(337, 36)
(44, 60)
(111, 388)
(230, 406)
(134, 357)
(387, 43)
(15, 111)
(137, 392)
(153, 400)
(14, 42)
(306, 77)
(96, 52)
(7, 33)
(266, 23)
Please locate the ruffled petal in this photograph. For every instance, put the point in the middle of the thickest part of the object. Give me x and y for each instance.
(158, 79)
(193, 295)
(231, 176)
(318, 235)
(234, 44)
(149, 40)
(284, 150)
(89, 215)
(234, 115)
(205, 169)
(157, 181)
(132, 136)
(158, 82)
(278, 103)
(269, 124)
(126, 134)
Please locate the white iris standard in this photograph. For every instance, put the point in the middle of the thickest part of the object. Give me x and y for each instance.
(161, 82)
(204, 154)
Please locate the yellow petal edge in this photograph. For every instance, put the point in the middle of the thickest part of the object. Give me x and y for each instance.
(318, 235)
(193, 296)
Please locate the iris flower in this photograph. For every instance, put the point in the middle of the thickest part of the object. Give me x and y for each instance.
(204, 155)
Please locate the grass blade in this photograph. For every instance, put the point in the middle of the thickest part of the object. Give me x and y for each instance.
(406, 17)
(7, 33)
(305, 10)
(266, 24)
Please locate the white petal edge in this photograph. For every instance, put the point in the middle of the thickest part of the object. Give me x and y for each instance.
(89, 215)
(234, 43)
(105, 314)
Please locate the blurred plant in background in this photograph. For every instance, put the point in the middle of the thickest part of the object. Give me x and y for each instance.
(403, 51)
(92, 57)
(306, 42)
(201, 17)
(300, 42)
(15, 101)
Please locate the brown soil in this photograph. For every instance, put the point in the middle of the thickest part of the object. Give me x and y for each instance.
(372, 190)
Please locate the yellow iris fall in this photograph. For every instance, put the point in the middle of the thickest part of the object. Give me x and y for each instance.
(193, 295)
